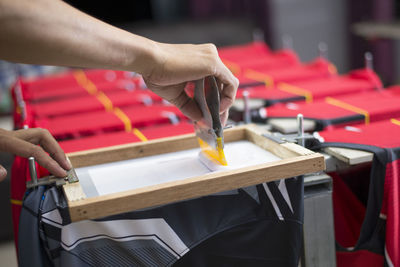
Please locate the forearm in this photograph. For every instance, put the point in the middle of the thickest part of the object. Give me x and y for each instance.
(50, 32)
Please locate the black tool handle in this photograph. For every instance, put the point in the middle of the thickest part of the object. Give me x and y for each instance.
(213, 102)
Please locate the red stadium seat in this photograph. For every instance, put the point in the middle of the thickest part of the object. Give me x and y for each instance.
(343, 110)
(88, 103)
(119, 138)
(102, 121)
(269, 75)
(314, 89)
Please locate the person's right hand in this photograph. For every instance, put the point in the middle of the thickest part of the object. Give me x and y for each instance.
(25, 142)
(176, 64)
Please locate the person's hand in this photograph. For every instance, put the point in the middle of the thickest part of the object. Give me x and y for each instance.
(25, 143)
(175, 65)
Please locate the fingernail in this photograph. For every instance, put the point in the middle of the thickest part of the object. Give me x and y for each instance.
(60, 172)
(68, 164)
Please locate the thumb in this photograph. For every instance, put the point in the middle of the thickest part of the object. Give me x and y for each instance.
(3, 173)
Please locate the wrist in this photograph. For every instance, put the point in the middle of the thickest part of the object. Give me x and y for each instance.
(145, 56)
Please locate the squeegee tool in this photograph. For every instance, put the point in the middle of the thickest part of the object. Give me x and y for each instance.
(209, 130)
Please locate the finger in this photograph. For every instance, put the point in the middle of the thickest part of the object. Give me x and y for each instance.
(223, 114)
(224, 117)
(176, 95)
(229, 88)
(188, 106)
(3, 173)
(43, 137)
(25, 149)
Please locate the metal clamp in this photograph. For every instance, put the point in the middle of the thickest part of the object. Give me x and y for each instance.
(48, 180)
(246, 111)
(298, 138)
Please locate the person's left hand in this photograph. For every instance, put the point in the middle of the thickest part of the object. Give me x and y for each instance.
(25, 143)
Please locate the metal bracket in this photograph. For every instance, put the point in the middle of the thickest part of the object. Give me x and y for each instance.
(48, 180)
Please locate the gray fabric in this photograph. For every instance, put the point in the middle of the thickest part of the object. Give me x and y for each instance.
(106, 252)
(252, 191)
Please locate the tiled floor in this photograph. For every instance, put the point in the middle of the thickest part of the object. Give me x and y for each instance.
(7, 254)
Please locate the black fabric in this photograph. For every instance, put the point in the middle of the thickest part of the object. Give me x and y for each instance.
(235, 228)
(259, 243)
(31, 252)
(372, 235)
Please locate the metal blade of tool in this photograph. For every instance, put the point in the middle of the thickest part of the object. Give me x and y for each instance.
(209, 129)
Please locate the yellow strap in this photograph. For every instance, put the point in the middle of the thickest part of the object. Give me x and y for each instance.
(258, 76)
(347, 106)
(103, 98)
(139, 134)
(16, 202)
(394, 121)
(124, 118)
(90, 87)
(80, 77)
(83, 81)
(235, 68)
(296, 90)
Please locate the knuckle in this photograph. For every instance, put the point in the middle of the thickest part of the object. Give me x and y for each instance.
(43, 132)
(212, 47)
(36, 151)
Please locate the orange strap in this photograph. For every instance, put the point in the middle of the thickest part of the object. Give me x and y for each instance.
(16, 202)
(18, 109)
(82, 80)
(80, 77)
(347, 106)
(258, 76)
(394, 121)
(103, 98)
(296, 90)
(91, 88)
(124, 118)
(139, 134)
(332, 68)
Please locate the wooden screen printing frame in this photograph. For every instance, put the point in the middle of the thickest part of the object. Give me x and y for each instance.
(295, 160)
